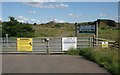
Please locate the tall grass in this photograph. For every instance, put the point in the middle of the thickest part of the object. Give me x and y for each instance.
(113, 34)
(107, 58)
(73, 52)
(69, 30)
(49, 31)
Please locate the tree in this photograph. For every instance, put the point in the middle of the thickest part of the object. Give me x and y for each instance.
(16, 29)
(35, 23)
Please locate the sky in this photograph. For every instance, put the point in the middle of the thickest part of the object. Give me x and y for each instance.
(43, 12)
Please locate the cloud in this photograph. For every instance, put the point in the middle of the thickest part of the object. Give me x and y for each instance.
(46, 5)
(59, 21)
(62, 0)
(22, 21)
(34, 21)
(38, 0)
(32, 12)
(22, 18)
(74, 15)
(37, 21)
(28, 0)
(103, 15)
(51, 18)
(62, 6)
(0, 19)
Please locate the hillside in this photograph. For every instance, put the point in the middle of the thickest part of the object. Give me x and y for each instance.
(108, 29)
(53, 29)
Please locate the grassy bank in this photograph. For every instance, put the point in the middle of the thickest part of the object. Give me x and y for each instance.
(113, 34)
(107, 58)
(51, 31)
(69, 30)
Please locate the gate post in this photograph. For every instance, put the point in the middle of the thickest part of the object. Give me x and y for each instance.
(47, 40)
(90, 40)
(48, 47)
(94, 41)
(76, 26)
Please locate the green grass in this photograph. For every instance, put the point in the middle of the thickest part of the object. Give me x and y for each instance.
(109, 34)
(73, 52)
(107, 58)
(69, 30)
(51, 31)
(45, 31)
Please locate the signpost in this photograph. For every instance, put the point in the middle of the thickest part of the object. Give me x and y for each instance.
(68, 43)
(86, 29)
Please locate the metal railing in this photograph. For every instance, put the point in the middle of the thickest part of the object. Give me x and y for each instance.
(39, 46)
(54, 45)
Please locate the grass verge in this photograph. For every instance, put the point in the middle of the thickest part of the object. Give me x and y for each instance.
(107, 58)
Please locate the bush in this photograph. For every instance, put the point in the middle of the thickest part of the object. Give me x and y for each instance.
(17, 29)
(58, 25)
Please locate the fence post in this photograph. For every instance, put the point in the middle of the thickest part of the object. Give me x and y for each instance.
(48, 47)
(47, 41)
(61, 46)
(6, 36)
(90, 40)
(94, 41)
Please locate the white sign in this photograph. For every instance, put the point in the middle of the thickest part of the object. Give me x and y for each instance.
(68, 43)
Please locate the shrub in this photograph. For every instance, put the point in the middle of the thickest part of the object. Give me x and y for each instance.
(58, 25)
(17, 29)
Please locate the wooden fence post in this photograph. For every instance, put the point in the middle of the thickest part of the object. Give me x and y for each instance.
(94, 41)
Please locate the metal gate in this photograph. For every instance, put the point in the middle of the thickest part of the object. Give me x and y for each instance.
(54, 45)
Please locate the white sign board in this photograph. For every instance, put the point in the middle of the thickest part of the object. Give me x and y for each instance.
(68, 43)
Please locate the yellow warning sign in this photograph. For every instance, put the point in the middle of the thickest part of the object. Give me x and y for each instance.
(104, 44)
(24, 44)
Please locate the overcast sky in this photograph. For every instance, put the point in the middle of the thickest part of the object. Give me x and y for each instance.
(42, 12)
